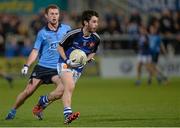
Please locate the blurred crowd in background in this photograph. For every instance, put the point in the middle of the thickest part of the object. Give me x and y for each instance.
(17, 32)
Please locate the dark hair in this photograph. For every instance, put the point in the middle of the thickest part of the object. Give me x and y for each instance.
(87, 14)
(51, 6)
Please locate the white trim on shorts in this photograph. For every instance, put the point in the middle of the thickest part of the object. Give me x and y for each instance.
(62, 67)
(144, 58)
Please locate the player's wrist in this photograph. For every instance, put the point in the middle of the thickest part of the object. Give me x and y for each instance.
(66, 60)
(90, 60)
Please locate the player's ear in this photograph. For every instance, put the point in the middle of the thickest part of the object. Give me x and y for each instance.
(85, 23)
(46, 16)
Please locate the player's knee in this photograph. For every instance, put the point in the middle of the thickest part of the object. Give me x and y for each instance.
(27, 92)
(70, 88)
(59, 94)
(56, 95)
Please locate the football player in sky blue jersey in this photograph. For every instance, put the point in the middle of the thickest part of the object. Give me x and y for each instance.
(156, 45)
(45, 49)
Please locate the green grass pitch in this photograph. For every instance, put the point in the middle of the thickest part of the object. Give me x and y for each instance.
(102, 103)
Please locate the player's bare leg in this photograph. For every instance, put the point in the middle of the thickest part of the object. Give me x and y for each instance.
(139, 68)
(46, 100)
(160, 76)
(69, 85)
(28, 91)
(151, 72)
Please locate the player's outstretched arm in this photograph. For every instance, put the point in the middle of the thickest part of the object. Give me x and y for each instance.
(32, 57)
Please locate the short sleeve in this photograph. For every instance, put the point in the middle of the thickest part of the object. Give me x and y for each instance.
(38, 41)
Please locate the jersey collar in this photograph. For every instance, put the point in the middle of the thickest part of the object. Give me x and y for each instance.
(86, 37)
(48, 29)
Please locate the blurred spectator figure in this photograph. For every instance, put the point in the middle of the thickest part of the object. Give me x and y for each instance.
(66, 19)
(108, 13)
(166, 26)
(38, 22)
(7, 77)
(134, 23)
(125, 24)
(76, 18)
(93, 4)
(102, 26)
(135, 17)
(119, 15)
(132, 28)
(2, 33)
(10, 23)
(156, 24)
(5, 23)
(13, 24)
(113, 27)
(12, 48)
(26, 47)
(166, 23)
(2, 44)
(23, 29)
(2, 40)
(153, 20)
(113, 21)
(176, 40)
(177, 22)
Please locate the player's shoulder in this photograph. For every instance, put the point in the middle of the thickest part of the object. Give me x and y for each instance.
(77, 30)
(41, 31)
(63, 25)
(96, 36)
(73, 32)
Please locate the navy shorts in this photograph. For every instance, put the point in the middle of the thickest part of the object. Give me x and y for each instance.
(43, 73)
(155, 58)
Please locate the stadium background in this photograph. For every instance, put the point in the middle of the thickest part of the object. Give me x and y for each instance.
(115, 63)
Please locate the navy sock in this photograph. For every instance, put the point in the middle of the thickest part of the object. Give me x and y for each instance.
(43, 101)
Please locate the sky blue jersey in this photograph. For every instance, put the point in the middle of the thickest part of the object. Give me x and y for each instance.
(47, 42)
(154, 43)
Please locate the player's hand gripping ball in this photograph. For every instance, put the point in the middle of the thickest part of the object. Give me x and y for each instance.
(78, 56)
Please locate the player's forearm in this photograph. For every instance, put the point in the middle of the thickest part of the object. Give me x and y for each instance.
(32, 57)
(163, 49)
(90, 56)
(61, 52)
